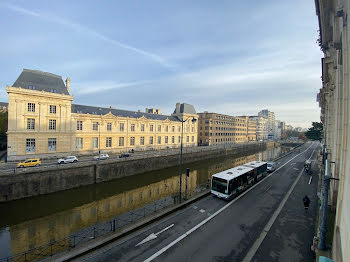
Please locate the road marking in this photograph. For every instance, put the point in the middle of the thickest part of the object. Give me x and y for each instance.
(292, 164)
(157, 254)
(195, 207)
(154, 235)
(269, 224)
(310, 180)
(296, 168)
(202, 210)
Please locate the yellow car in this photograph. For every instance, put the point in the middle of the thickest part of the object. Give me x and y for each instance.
(30, 162)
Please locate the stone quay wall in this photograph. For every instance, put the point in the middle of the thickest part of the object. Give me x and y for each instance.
(50, 179)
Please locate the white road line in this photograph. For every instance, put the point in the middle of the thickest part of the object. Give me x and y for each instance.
(310, 180)
(157, 254)
(202, 210)
(269, 224)
(296, 168)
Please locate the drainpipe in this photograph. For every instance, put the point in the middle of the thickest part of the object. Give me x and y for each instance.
(326, 182)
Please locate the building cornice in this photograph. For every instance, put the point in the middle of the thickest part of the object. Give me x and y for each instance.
(24, 91)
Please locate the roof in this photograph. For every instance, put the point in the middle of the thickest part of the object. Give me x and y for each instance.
(186, 109)
(255, 164)
(233, 172)
(2, 104)
(81, 109)
(41, 81)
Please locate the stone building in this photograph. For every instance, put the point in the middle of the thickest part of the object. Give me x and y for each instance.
(43, 122)
(334, 100)
(219, 129)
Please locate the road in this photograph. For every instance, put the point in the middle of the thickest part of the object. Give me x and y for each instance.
(265, 223)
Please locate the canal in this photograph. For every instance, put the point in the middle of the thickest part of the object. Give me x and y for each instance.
(28, 223)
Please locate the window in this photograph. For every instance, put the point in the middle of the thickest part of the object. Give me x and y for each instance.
(151, 128)
(30, 145)
(159, 139)
(121, 141)
(179, 129)
(109, 126)
(52, 124)
(173, 139)
(31, 87)
(187, 139)
(151, 140)
(95, 126)
(79, 143)
(142, 128)
(179, 139)
(166, 129)
(52, 109)
(121, 127)
(30, 123)
(192, 139)
(192, 129)
(94, 142)
(132, 141)
(188, 129)
(132, 127)
(52, 144)
(166, 140)
(159, 128)
(142, 140)
(31, 107)
(108, 142)
(53, 91)
(79, 125)
(173, 129)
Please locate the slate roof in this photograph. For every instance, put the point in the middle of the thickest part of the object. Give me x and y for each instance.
(118, 112)
(186, 109)
(41, 81)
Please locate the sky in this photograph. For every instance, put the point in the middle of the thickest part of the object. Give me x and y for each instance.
(230, 57)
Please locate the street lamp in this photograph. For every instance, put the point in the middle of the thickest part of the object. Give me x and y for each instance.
(180, 171)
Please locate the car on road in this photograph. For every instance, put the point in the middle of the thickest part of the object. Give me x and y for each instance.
(101, 157)
(68, 159)
(29, 162)
(270, 167)
(124, 155)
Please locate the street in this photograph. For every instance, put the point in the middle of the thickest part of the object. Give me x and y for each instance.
(265, 223)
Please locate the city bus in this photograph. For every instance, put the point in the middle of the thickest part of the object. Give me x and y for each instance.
(229, 183)
(260, 169)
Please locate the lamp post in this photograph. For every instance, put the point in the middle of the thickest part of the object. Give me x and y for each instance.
(180, 171)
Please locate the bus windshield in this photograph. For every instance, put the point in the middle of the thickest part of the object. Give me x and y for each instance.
(219, 185)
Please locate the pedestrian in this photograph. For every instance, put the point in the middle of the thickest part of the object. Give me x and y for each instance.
(306, 201)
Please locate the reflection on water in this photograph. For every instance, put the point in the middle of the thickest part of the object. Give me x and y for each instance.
(28, 223)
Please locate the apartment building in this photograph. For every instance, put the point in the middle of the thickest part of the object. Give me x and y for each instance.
(261, 127)
(219, 129)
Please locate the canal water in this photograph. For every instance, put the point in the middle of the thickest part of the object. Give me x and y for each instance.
(29, 223)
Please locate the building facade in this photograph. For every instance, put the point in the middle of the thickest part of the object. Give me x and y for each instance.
(219, 129)
(43, 122)
(334, 100)
(261, 127)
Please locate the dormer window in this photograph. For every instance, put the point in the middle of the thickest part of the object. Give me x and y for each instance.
(31, 87)
(53, 91)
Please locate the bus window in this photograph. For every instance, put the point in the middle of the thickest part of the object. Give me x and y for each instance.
(219, 185)
(232, 186)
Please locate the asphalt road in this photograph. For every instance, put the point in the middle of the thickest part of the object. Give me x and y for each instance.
(265, 223)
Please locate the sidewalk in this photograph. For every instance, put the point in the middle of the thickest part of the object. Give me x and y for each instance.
(290, 237)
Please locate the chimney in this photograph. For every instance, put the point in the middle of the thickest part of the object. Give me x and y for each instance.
(177, 111)
(68, 83)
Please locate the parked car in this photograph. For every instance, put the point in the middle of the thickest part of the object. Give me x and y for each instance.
(101, 157)
(124, 155)
(270, 167)
(30, 162)
(68, 159)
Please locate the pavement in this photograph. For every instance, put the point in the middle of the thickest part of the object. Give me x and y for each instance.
(265, 223)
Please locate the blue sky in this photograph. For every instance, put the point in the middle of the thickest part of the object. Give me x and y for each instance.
(230, 57)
